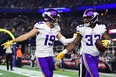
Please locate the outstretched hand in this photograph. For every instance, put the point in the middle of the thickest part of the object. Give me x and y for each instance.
(7, 44)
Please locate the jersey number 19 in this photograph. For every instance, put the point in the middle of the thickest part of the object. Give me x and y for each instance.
(49, 40)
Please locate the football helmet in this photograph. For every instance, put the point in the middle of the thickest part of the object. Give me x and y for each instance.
(50, 15)
(91, 15)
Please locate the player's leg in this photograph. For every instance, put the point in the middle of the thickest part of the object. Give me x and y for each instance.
(82, 70)
(44, 66)
(51, 64)
(91, 64)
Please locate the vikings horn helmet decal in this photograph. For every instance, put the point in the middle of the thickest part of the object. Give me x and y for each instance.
(50, 14)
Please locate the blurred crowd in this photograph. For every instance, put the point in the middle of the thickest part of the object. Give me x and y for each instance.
(20, 23)
(50, 3)
(110, 22)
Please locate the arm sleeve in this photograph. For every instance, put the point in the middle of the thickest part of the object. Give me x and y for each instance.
(66, 41)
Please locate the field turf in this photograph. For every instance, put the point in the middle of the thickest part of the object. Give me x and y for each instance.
(69, 73)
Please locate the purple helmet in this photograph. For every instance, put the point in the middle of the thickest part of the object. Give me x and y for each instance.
(50, 14)
(91, 13)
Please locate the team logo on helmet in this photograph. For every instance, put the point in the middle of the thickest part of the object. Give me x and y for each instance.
(50, 14)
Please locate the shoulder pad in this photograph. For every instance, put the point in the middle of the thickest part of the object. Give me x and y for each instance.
(58, 27)
(39, 25)
(102, 25)
(80, 28)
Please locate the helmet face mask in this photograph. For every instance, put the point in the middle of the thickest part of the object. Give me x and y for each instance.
(90, 17)
(51, 15)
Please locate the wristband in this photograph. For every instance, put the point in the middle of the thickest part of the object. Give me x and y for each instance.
(64, 51)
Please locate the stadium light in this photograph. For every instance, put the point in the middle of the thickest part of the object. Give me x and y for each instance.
(97, 7)
(63, 9)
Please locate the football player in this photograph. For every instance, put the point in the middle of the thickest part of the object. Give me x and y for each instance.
(87, 34)
(46, 33)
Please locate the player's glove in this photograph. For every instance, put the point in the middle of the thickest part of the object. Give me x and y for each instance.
(106, 43)
(7, 44)
(61, 54)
